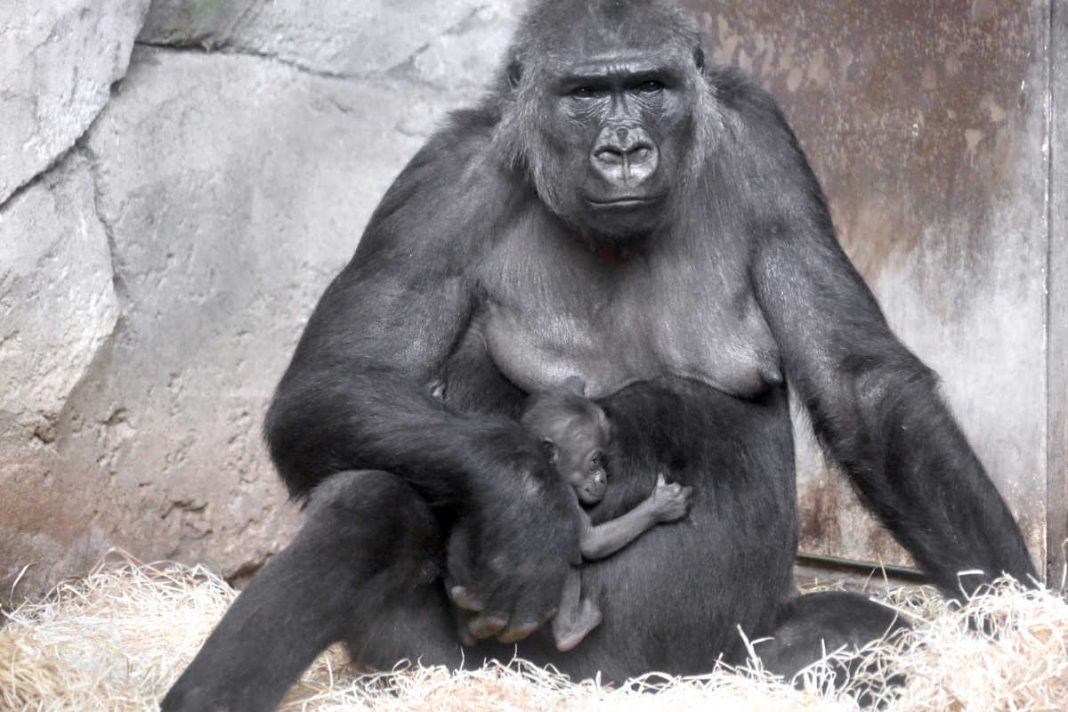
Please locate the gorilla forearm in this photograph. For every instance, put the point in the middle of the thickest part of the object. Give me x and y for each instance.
(597, 542)
(876, 408)
(874, 405)
(356, 416)
(893, 434)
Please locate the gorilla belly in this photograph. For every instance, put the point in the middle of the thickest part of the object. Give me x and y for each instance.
(673, 600)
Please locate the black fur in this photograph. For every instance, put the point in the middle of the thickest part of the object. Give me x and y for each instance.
(684, 316)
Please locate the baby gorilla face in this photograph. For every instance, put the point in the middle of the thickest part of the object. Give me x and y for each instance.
(574, 431)
(583, 467)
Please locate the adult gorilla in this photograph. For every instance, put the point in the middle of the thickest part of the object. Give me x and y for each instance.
(618, 211)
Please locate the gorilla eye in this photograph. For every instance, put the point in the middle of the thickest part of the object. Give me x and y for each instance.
(583, 92)
(650, 87)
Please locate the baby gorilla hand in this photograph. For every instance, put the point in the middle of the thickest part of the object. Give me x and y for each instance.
(670, 502)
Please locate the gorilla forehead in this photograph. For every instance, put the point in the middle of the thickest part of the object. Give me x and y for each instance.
(593, 28)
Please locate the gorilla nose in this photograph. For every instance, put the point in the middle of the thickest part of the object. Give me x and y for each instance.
(597, 487)
(624, 156)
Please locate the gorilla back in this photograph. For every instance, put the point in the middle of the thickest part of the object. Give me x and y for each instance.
(618, 211)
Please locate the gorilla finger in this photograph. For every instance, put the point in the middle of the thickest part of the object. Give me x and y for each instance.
(464, 599)
(514, 634)
(503, 605)
(483, 592)
(536, 606)
(463, 618)
(487, 626)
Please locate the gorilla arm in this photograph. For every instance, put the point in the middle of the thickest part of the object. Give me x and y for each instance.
(877, 410)
(666, 503)
(356, 393)
(874, 405)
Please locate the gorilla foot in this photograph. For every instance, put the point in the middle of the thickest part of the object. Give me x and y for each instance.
(571, 630)
(813, 625)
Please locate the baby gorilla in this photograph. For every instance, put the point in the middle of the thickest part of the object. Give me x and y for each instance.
(575, 433)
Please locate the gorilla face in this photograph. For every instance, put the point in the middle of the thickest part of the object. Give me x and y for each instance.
(606, 122)
(619, 127)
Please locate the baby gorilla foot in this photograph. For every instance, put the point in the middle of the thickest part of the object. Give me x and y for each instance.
(569, 631)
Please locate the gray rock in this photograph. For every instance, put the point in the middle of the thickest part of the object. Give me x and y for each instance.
(58, 311)
(451, 44)
(58, 61)
(57, 301)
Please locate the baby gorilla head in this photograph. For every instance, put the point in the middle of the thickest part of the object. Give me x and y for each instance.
(575, 432)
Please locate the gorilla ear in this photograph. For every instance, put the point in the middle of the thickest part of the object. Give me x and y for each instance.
(574, 384)
(551, 451)
(699, 58)
(515, 73)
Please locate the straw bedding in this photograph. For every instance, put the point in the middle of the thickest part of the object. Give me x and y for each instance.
(116, 639)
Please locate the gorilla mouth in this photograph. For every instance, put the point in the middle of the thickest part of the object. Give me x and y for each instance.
(624, 202)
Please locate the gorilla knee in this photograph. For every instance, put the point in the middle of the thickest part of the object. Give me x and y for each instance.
(359, 491)
(371, 518)
(372, 498)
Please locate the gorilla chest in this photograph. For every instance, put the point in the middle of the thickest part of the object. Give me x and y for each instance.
(614, 323)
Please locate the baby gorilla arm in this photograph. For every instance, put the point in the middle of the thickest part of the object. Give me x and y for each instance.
(667, 503)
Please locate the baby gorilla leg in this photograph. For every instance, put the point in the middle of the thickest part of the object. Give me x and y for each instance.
(576, 616)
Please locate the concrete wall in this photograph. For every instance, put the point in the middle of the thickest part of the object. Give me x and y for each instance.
(927, 124)
(179, 182)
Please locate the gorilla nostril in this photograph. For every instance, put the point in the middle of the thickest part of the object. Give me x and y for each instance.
(641, 154)
(621, 134)
(609, 154)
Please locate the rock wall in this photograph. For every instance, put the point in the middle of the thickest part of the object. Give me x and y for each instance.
(178, 184)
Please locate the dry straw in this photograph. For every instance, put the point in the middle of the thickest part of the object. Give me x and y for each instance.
(116, 639)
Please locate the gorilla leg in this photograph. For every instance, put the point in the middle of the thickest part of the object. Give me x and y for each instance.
(363, 569)
(817, 623)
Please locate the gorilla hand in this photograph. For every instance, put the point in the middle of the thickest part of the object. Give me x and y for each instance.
(669, 502)
(511, 550)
